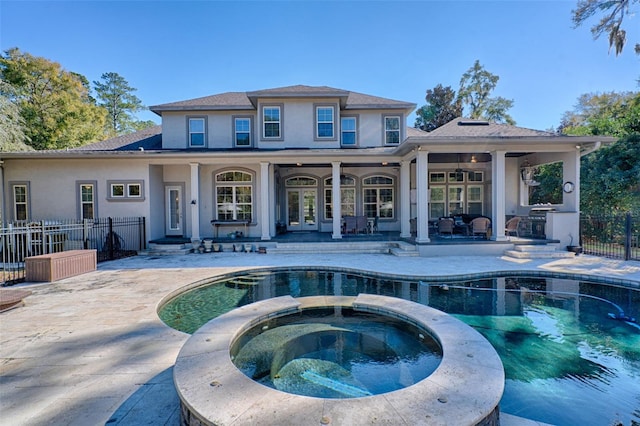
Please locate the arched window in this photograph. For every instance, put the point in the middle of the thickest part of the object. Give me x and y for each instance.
(301, 181)
(378, 197)
(234, 195)
(347, 197)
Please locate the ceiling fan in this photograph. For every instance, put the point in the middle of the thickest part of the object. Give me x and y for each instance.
(460, 170)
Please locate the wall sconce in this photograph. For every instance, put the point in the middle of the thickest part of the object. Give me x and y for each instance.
(384, 163)
(474, 159)
(193, 202)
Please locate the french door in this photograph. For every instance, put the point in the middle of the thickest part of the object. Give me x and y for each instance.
(302, 209)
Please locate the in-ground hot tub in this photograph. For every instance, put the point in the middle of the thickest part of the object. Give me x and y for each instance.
(465, 387)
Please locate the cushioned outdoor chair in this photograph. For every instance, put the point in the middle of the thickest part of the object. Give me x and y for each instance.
(480, 225)
(445, 226)
(513, 226)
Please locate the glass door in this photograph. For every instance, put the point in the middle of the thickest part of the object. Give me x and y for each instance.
(173, 211)
(302, 210)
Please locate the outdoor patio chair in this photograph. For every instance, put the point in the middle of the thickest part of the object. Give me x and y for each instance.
(513, 226)
(361, 224)
(480, 225)
(350, 225)
(445, 226)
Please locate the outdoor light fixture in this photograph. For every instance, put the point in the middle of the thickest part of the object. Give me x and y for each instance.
(474, 159)
(527, 171)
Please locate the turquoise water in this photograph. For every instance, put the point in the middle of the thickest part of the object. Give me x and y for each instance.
(336, 353)
(569, 356)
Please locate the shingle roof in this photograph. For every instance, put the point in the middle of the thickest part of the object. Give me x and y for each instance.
(147, 139)
(248, 100)
(466, 127)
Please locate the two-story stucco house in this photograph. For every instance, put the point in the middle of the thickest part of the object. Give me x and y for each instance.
(299, 157)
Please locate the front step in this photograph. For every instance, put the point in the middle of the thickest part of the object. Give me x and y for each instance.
(363, 247)
(167, 249)
(403, 249)
(538, 251)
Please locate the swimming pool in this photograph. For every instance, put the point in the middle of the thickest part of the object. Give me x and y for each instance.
(569, 355)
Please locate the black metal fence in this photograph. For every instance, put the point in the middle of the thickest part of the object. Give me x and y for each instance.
(113, 238)
(615, 236)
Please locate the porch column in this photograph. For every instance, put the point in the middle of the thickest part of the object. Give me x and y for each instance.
(265, 210)
(422, 169)
(336, 200)
(405, 199)
(571, 173)
(195, 201)
(498, 195)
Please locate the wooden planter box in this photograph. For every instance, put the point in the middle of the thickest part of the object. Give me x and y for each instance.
(56, 266)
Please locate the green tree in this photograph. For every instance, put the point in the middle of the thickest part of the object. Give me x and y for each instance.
(12, 126)
(611, 23)
(54, 104)
(475, 90)
(610, 176)
(442, 106)
(610, 114)
(116, 96)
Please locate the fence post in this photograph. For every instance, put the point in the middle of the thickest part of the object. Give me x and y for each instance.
(627, 237)
(110, 238)
(43, 239)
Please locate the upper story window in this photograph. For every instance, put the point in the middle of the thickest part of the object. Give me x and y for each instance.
(324, 122)
(348, 127)
(272, 122)
(242, 131)
(197, 132)
(392, 130)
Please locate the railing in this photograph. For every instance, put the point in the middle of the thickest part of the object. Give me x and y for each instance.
(615, 236)
(113, 238)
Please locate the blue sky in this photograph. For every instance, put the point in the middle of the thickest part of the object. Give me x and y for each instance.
(174, 51)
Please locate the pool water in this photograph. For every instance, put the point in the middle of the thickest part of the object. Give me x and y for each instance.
(336, 352)
(569, 355)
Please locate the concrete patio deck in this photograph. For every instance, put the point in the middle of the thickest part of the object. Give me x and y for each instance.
(91, 349)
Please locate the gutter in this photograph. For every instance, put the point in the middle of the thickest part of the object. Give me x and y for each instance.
(591, 149)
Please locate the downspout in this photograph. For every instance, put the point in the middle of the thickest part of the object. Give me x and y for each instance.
(2, 212)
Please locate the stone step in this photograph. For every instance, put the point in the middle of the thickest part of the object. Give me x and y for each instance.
(539, 254)
(341, 247)
(396, 251)
(536, 247)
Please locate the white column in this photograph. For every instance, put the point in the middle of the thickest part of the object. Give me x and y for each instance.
(498, 195)
(405, 199)
(336, 201)
(195, 201)
(422, 189)
(571, 173)
(265, 208)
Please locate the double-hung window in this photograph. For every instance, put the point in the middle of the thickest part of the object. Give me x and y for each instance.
(348, 128)
(347, 197)
(87, 200)
(392, 130)
(242, 131)
(324, 122)
(378, 197)
(234, 200)
(271, 122)
(21, 201)
(197, 134)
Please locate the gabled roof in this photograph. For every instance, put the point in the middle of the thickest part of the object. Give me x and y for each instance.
(249, 100)
(146, 139)
(467, 127)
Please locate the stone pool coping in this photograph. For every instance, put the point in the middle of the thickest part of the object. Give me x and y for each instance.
(465, 388)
